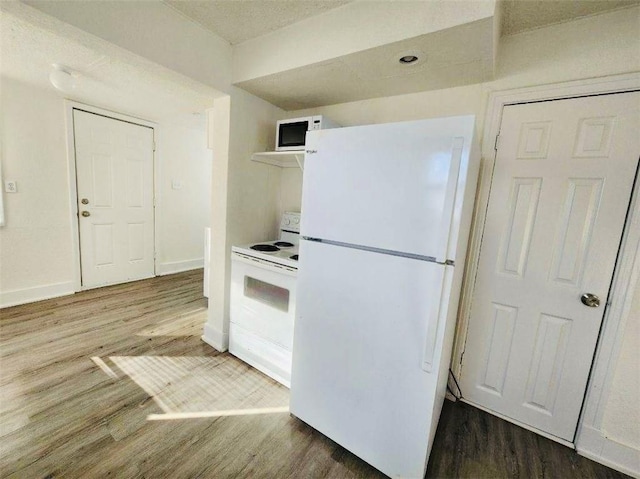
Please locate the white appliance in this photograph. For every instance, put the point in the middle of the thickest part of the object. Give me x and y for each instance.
(263, 301)
(386, 216)
(291, 133)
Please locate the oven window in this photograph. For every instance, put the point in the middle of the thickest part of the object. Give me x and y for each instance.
(293, 134)
(266, 293)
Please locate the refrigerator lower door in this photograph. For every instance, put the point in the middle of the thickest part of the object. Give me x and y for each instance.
(361, 328)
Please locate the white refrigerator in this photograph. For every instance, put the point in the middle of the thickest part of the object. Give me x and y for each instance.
(386, 213)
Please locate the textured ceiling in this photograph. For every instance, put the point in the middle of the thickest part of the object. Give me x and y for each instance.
(106, 75)
(451, 57)
(240, 20)
(522, 15)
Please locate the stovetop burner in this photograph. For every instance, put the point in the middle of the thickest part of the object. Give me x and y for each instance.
(267, 248)
(294, 257)
(283, 244)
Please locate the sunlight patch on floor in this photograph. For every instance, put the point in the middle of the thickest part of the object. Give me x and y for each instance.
(186, 387)
(105, 367)
(229, 412)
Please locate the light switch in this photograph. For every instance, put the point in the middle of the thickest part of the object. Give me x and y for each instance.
(176, 184)
(11, 186)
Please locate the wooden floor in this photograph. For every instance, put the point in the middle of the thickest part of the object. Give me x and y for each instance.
(116, 382)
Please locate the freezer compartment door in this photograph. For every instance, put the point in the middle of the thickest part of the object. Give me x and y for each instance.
(360, 339)
(395, 187)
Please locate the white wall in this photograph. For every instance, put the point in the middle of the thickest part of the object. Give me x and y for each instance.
(184, 212)
(175, 41)
(621, 420)
(216, 328)
(35, 243)
(290, 190)
(253, 187)
(36, 256)
(246, 194)
(610, 425)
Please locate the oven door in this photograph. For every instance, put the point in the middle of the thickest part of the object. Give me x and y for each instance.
(263, 298)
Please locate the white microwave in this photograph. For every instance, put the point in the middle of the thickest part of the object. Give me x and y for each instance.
(291, 134)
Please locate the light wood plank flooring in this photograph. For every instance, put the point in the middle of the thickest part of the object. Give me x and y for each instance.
(115, 382)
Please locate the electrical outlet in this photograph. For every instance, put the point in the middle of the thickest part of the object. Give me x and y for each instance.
(11, 186)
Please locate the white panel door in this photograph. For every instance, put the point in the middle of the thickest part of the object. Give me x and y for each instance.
(560, 192)
(360, 340)
(390, 186)
(114, 170)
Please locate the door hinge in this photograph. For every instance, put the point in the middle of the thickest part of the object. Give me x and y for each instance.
(495, 146)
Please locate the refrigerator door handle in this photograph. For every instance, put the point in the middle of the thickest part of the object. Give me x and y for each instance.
(450, 198)
(437, 316)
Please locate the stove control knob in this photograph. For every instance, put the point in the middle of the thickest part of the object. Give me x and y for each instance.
(296, 220)
(287, 221)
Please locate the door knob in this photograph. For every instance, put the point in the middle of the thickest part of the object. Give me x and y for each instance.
(590, 300)
(85, 214)
(85, 201)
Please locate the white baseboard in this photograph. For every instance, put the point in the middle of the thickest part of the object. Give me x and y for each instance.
(215, 338)
(592, 443)
(38, 293)
(179, 266)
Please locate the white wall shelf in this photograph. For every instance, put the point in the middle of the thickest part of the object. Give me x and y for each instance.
(283, 159)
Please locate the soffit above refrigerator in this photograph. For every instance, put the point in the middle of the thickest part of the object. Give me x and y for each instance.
(457, 56)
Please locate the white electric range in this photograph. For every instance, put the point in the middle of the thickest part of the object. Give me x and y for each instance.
(263, 300)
